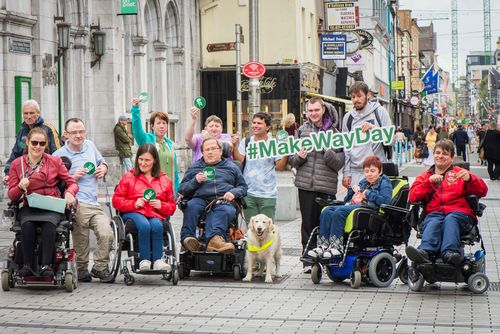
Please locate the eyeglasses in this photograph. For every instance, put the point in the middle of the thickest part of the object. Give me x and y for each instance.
(77, 132)
(210, 149)
(38, 143)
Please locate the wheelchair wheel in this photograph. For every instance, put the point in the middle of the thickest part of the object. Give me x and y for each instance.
(68, 282)
(478, 283)
(5, 280)
(382, 269)
(415, 280)
(115, 252)
(237, 272)
(402, 271)
(355, 279)
(129, 280)
(184, 271)
(175, 275)
(170, 244)
(316, 273)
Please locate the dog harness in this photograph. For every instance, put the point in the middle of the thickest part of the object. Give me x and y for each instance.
(252, 248)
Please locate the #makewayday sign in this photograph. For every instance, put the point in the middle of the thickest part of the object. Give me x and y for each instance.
(149, 194)
(89, 167)
(319, 141)
(209, 172)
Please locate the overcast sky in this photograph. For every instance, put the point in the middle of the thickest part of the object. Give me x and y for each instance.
(470, 26)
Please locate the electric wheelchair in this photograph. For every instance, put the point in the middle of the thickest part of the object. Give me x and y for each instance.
(472, 270)
(370, 237)
(64, 264)
(214, 262)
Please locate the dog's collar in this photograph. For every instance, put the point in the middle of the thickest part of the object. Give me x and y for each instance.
(252, 248)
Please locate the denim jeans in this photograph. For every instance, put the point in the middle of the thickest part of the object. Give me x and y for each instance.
(332, 220)
(216, 222)
(150, 233)
(441, 232)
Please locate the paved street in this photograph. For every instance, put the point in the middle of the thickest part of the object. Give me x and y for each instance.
(204, 303)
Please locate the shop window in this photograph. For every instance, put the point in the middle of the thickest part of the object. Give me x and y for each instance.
(277, 108)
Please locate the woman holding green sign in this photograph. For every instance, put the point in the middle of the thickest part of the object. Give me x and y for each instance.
(158, 136)
(40, 173)
(145, 196)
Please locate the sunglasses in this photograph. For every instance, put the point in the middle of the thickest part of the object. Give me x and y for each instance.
(38, 143)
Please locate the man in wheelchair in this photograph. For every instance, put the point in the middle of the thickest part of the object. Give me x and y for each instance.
(207, 179)
(443, 189)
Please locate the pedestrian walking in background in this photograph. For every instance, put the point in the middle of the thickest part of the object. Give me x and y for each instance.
(123, 143)
(461, 139)
(430, 140)
(491, 147)
(317, 171)
(31, 119)
(480, 138)
(289, 124)
(158, 122)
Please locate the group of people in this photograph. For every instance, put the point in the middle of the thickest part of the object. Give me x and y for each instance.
(221, 172)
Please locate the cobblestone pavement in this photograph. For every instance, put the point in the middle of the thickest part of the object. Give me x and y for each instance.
(204, 303)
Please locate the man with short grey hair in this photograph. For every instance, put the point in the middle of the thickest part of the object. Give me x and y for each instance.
(31, 119)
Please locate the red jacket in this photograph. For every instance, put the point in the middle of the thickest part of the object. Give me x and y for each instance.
(448, 197)
(43, 182)
(132, 188)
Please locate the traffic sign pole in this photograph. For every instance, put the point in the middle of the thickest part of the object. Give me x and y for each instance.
(238, 80)
(254, 84)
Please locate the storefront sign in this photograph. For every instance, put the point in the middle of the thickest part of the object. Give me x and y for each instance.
(366, 38)
(319, 141)
(333, 47)
(22, 46)
(267, 85)
(128, 7)
(309, 80)
(342, 15)
(398, 85)
(215, 47)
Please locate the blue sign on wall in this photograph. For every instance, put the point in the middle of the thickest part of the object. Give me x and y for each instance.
(333, 47)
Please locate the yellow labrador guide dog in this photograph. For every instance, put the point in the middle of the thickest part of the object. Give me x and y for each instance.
(263, 245)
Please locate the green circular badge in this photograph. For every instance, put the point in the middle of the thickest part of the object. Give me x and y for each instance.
(149, 194)
(200, 102)
(281, 135)
(209, 172)
(89, 167)
(144, 97)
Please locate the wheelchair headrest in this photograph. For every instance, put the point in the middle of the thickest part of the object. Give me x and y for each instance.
(227, 149)
(67, 162)
(400, 191)
(390, 169)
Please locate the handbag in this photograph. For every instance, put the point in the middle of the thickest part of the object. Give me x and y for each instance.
(418, 153)
(481, 153)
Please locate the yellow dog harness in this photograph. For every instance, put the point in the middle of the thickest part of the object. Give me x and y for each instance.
(252, 248)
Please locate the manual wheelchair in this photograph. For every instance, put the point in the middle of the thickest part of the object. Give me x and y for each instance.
(472, 270)
(214, 262)
(64, 264)
(370, 237)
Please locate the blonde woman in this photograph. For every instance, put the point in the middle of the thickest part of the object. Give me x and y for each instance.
(430, 139)
(289, 124)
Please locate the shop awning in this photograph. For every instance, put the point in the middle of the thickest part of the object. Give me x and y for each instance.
(348, 103)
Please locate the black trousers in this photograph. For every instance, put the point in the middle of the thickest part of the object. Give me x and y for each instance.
(461, 150)
(310, 212)
(47, 246)
(493, 169)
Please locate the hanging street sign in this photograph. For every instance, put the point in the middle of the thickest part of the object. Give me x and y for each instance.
(253, 69)
(128, 7)
(333, 47)
(366, 38)
(215, 47)
(342, 15)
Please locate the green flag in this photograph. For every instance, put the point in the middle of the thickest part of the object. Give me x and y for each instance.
(128, 7)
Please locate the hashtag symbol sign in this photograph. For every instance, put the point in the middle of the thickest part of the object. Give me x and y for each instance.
(252, 151)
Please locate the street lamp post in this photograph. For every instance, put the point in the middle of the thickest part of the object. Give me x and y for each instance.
(254, 83)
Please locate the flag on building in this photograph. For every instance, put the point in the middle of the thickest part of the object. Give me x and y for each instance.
(431, 81)
(495, 79)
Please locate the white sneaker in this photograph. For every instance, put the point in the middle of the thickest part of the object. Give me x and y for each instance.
(306, 270)
(161, 265)
(335, 252)
(145, 265)
(314, 253)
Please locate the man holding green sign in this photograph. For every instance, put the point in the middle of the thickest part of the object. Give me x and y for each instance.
(84, 157)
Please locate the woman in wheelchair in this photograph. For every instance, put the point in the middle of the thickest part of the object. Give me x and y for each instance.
(443, 189)
(374, 190)
(38, 172)
(145, 196)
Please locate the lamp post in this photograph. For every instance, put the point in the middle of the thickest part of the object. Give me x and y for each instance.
(99, 38)
(63, 34)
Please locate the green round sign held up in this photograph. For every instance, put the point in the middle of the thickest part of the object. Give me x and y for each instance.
(209, 172)
(200, 102)
(281, 135)
(149, 194)
(89, 167)
(144, 97)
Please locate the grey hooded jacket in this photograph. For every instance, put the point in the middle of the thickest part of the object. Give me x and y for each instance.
(319, 170)
(354, 157)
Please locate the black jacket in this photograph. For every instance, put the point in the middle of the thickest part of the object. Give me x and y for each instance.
(491, 145)
(460, 137)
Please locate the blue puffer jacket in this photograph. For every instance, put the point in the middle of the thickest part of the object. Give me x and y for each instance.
(18, 149)
(378, 194)
(228, 177)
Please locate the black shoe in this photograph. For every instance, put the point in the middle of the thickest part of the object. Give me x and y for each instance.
(46, 271)
(452, 258)
(25, 271)
(417, 255)
(104, 275)
(84, 277)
